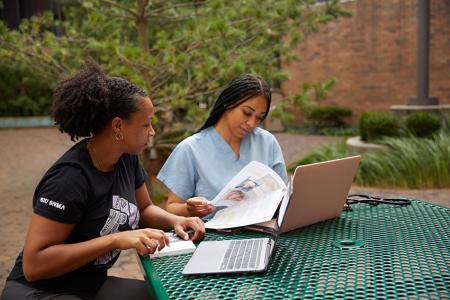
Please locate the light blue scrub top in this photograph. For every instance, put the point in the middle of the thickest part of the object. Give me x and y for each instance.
(202, 164)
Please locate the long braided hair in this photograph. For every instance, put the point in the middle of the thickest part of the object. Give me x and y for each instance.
(238, 90)
(85, 102)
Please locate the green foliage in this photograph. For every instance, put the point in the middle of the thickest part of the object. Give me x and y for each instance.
(304, 102)
(172, 137)
(319, 89)
(333, 151)
(158, 192)
(422, 124)
(411, 162)
(446, 122)
(23, 93)
(375, 125)
(332, 115)
(280, 112)
(311, 129)
(181, 52)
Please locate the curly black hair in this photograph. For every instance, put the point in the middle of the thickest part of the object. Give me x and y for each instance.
(85, 102)
(238, 90)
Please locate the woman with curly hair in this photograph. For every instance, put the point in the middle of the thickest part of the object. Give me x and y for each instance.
(93, 202)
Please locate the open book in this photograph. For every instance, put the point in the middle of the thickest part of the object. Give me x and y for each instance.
(252, 196)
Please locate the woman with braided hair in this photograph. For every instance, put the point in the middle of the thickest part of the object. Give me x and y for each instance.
(202, 164)
(90, 203)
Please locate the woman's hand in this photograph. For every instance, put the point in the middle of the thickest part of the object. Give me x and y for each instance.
(199, 206)
(182, 224)
(145, 240)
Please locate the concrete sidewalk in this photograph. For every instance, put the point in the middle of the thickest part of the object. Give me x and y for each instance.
(27, 153)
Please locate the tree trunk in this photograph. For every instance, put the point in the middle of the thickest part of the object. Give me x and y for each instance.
(141, 24)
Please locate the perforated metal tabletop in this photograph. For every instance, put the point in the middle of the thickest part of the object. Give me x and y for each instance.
(371, 252)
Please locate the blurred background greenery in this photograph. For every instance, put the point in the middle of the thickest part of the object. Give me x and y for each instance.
(183, 52)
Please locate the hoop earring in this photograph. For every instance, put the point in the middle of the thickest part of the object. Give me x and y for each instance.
(118, 136)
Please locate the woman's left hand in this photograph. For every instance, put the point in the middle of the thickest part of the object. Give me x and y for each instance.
(196, 224)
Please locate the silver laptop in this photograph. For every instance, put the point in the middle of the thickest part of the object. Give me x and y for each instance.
(235, 256)
(317, 193)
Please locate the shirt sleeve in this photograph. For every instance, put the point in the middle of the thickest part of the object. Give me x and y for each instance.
(278, 164)
(178, 172)
(62, 195)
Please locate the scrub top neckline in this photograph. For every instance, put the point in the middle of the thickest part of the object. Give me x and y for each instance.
(218, 138)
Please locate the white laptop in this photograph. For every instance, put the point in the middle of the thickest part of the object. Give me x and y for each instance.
(319, 192)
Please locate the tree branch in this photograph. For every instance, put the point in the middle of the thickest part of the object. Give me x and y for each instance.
(170, 18)
(118, 17)
(179, 5)
(121, 6)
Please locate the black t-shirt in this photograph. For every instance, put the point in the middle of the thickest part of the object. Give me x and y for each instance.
(73, 191)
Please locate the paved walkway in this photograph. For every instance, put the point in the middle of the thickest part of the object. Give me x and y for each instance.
(25, 154)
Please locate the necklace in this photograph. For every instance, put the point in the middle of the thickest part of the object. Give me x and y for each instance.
(96, 160)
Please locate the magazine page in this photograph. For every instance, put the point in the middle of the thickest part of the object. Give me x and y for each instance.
(252, 196)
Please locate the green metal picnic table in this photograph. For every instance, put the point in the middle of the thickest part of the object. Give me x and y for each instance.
(371, 252)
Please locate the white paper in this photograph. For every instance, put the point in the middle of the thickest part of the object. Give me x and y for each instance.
(252, 196)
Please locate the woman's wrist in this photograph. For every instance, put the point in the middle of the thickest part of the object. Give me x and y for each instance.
(112, 241)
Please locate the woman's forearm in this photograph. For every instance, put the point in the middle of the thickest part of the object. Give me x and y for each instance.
(178, 209)
(60, 259)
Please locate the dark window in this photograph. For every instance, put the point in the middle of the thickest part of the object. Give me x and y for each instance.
(14, 11)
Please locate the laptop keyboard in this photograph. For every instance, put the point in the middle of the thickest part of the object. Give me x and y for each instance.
(242, 254)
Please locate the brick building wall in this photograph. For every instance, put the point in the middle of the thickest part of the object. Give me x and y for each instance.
(373, 55)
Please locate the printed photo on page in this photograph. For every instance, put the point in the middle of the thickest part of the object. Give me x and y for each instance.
(254, 180)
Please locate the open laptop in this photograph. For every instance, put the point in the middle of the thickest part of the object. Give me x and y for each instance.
(319, 192)
(236, 256)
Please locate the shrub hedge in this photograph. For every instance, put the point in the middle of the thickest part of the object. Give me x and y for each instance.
(375, 125)
(422, 124)
(332, 115)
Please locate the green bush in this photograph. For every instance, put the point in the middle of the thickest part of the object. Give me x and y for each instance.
(333, 151)
(422, 124)
(310, 129)
(411, 162)
(375, 125)
(332, 115)
(23, 93)
(446, 126)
